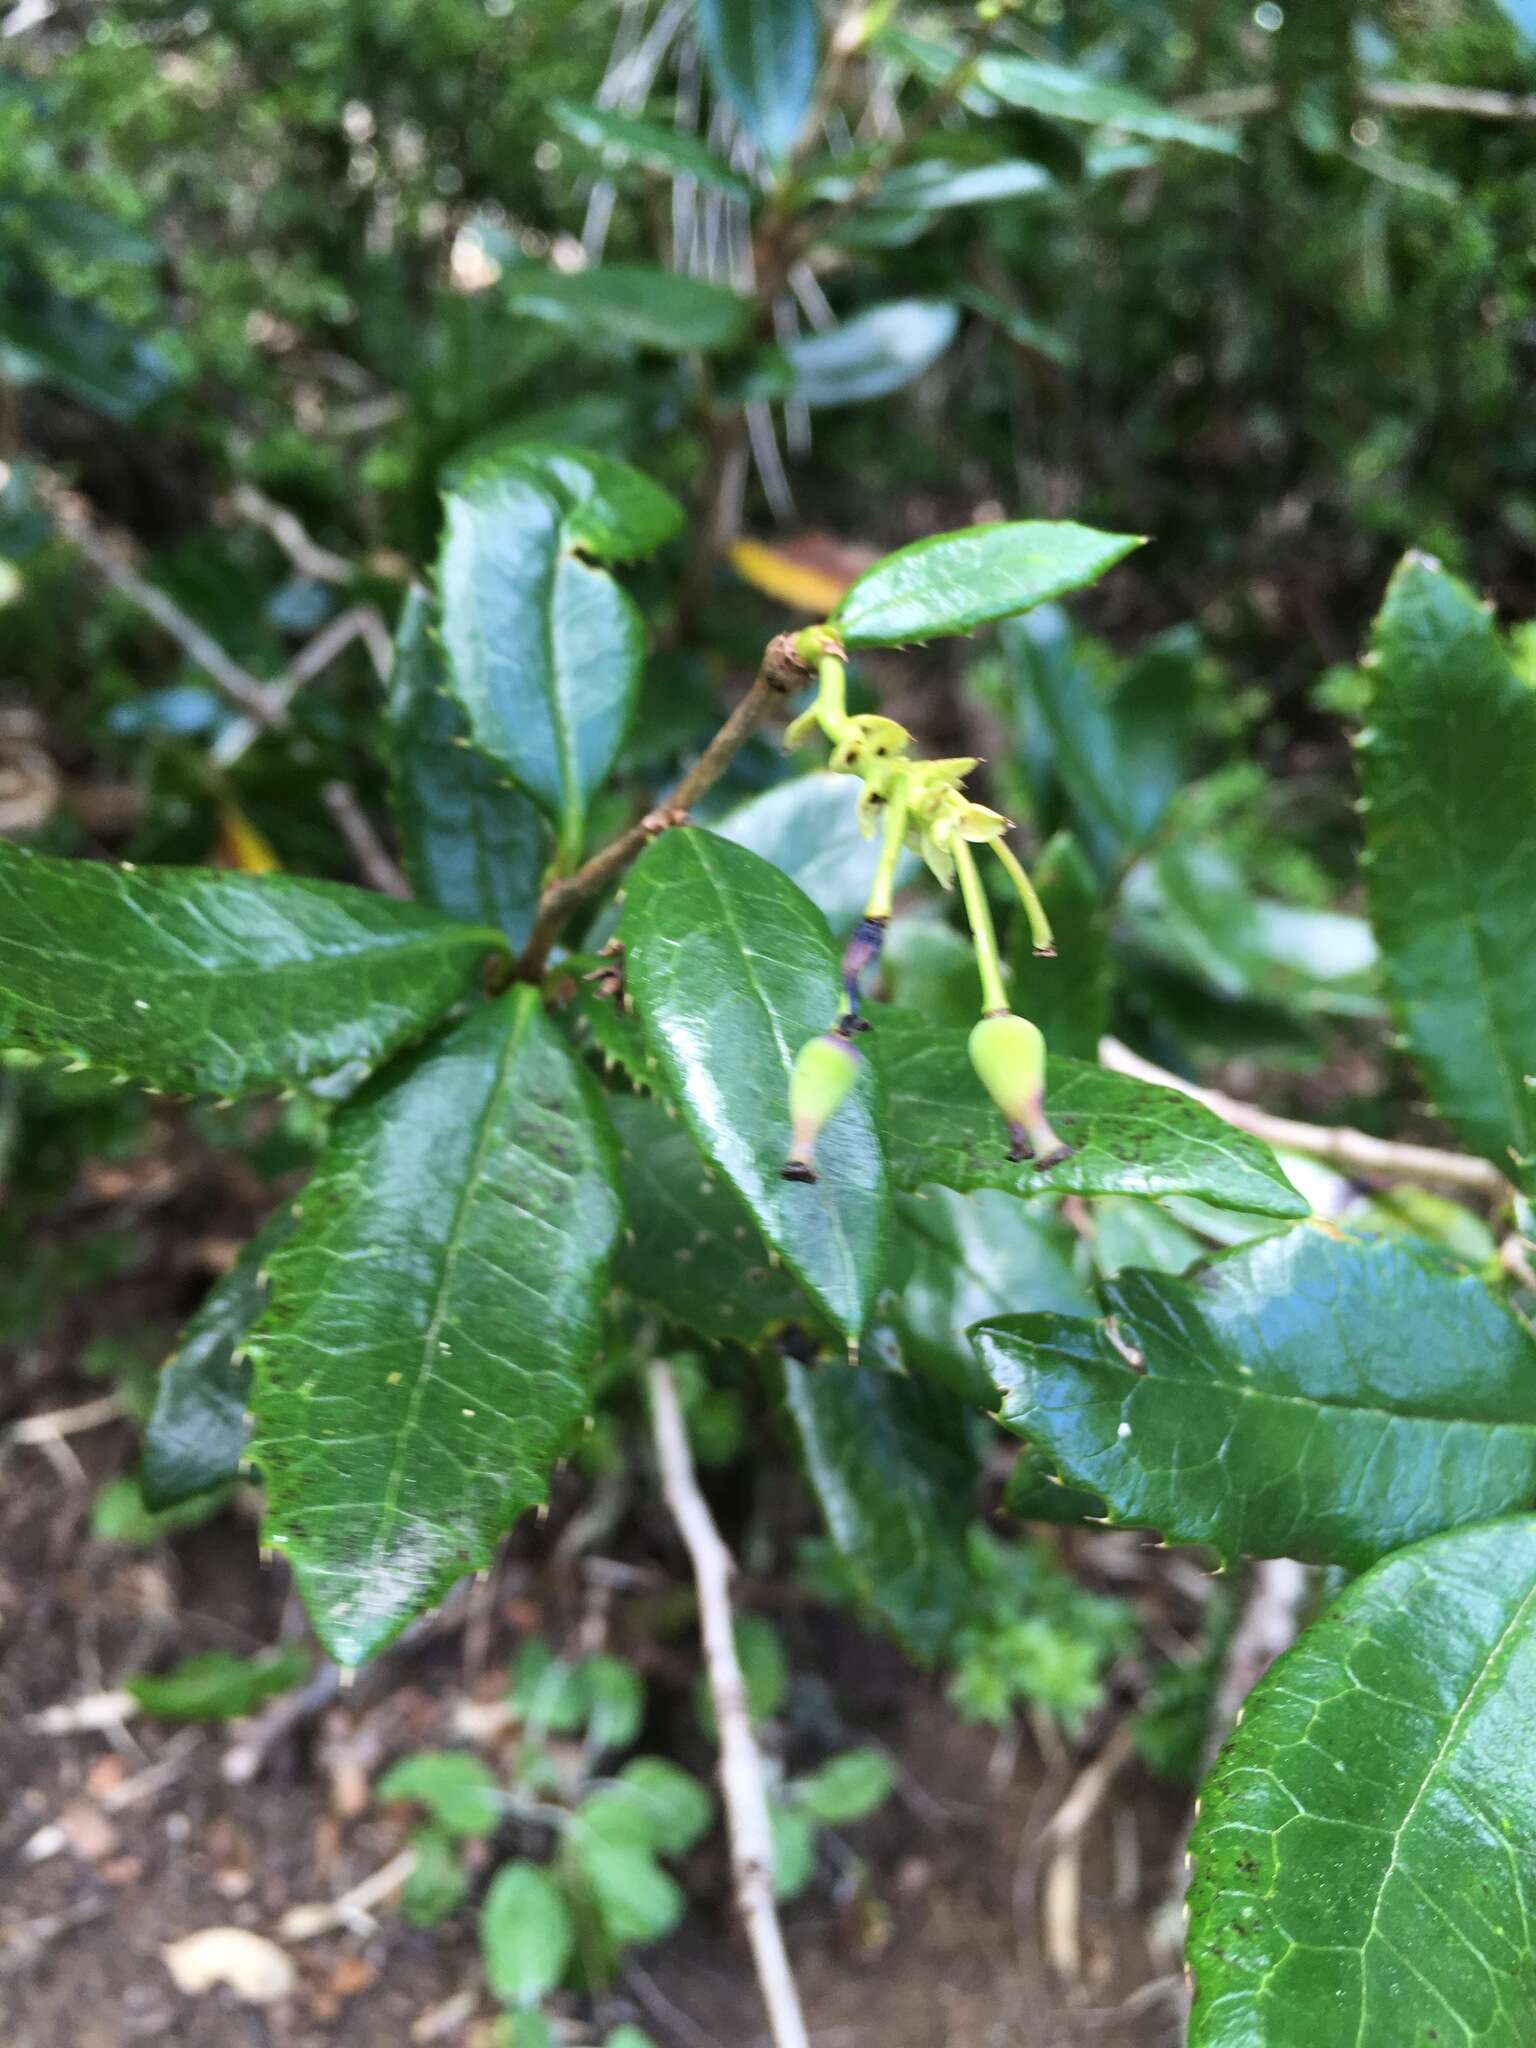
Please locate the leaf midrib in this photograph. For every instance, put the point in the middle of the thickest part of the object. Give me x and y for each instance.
(453, 1248)
(1473, 1693)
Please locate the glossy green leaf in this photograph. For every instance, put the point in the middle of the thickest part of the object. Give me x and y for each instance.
(1129, 1138)
(808, 827)
(762, 57)
(690, 1249)
(871, 355)
(1062, 94)
(1364, 1857)
(1191, 908)
(526, 1934)
(200, 981)
(1309, 1395)
(954, 582)
(1448, 765)
(731, 969)
(846, 1788)
(457, 1789)
(49, 337)
(957, 171)
(963, 1258)
(1069, 733)
(894, 1469)
(544, 649)
(421, 1362)
(1069, 997)
(1036, 1492)
(622, 139)
(633, 305)
(218, 1685)
(195, 1437)
(474, 845)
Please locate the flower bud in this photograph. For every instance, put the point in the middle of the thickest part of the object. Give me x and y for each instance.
(1008, 1054)
(824, 1071)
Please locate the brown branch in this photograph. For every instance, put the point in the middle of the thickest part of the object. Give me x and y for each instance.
(782, 670)
(1355, 1153)
(741, 1767)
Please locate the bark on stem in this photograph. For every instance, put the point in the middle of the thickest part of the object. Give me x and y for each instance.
(782, 670)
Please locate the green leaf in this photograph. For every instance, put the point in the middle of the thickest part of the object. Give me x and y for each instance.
(1036, 1492)
(682, 1222)
(47, 337)
(422, 1360)
(1309, 1395)
(457, 1789)
(954, 582)
(808, 827)
(794, 1849)
(1130, 1138)
(762, 57)
(1192, 908)
(526, 1934)
(1363, 1857)
(628, 2037)
(119, 1515)
(205, 982)
(871, 355)
(847, 1787)
(963, 1258)
(622, 139)
(544, 648)
(957, 171)
(438, 1884)
(674, 1808)
(731, 970)
(1448, 765)
(894, 1469)
(195, 1437)
(1068, 997)
(634, 305)
(219, 1685)
(1070, 730)
(616, 1703)
(550, 1696)
(474, 845)
(1066, 95)
(635, 1899)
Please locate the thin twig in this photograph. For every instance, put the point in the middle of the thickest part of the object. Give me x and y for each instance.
(741, 1767)
(1399, 96)
(352, 1908)
(1355, 1153)
(374, 860)
(782, 670)
(111, 554)
(291, 535)
(62, 1422)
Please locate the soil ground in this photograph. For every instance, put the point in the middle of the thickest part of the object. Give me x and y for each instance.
(922, 1930)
